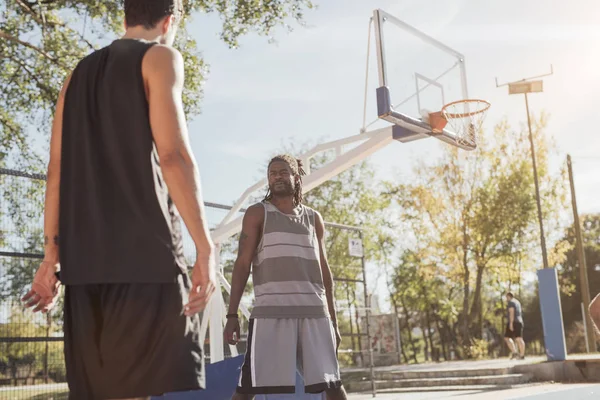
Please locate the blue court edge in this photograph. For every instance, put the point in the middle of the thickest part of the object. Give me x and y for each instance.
(221, 381)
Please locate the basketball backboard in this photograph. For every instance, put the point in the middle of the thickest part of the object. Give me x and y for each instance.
(418, 75)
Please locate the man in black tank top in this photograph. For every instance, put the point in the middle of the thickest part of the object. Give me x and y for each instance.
(120, 172)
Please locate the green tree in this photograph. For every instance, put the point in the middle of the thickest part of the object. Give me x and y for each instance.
(353, 198)
(421, 294)
(19, 358)
(475, 214)
(568, 271)
(22, 231)
(41, 42)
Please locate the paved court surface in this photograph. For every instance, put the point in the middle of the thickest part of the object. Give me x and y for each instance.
(547, 391)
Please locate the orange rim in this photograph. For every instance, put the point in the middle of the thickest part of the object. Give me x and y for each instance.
(464, 115)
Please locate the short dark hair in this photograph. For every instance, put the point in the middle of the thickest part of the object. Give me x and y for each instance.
(510, 295)
(148, 12)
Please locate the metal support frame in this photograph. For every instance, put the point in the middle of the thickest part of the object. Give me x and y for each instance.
(372, 141)
(365, 144)
(368, 321)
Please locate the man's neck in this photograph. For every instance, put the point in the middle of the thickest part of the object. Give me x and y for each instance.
(138, 32)
(284, 204)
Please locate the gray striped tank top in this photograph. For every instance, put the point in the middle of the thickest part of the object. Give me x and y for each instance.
(286, 270)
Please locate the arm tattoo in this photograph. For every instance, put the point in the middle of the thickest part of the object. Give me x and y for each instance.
(243, 238)
(55, 240)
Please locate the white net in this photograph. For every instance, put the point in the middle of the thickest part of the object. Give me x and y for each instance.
(465, 118)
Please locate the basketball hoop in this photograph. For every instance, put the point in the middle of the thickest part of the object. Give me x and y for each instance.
(465, 118)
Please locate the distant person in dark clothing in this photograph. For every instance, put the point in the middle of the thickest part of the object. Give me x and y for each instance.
(514, 328)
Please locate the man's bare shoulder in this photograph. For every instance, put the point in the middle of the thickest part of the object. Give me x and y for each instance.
(318, 216)
(162, 52)
(255, 212)
(162, 58)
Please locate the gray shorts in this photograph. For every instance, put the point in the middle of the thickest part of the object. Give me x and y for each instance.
(277, 347)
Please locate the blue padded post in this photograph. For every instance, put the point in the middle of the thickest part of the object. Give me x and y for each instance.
(384, 104)
(554, 331)
(221, 380)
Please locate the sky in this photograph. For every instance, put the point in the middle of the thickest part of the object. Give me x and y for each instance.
(308, 87)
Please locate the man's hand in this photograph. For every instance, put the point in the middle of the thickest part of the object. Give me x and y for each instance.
(510, 326)
(232, 331)
(203, 284)
(45, 288)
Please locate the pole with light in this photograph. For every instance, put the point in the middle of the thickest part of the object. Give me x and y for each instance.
(548, 290)
(525, 86)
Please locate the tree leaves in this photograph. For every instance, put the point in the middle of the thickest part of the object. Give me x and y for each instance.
(42, 41)
(473, 218)
(569, 268)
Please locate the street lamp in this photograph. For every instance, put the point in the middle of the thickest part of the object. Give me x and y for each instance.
(549, 293)
(526, 86)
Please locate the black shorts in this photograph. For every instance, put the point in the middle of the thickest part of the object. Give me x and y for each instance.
(130, 340)
(517, 331)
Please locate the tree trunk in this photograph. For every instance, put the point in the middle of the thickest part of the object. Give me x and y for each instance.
(429, 334)
(466, 340)
(403, 348)
(408, 329)
(442, 336)
(398, 332)
(427, 318)
(466, 292)
(452, 335)
(476, 311)
(425, 342)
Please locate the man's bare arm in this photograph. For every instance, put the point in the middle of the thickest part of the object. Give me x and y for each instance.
(45, 286)
(164, 75)
(511, 315)
(594, 309)
(249, 239)
(325, 270)
(52, 201)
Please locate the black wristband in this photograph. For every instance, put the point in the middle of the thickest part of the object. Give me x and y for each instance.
(232, 316)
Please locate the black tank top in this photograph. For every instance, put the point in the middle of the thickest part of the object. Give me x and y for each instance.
(117, 223)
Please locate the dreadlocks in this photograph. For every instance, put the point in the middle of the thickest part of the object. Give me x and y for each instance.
(297, 170)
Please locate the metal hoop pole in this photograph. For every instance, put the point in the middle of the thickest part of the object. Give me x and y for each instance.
(364, 127)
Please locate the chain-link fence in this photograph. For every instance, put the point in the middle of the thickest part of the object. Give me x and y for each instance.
(31, 345)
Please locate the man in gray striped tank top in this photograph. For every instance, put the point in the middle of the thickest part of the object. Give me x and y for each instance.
(293, 323)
